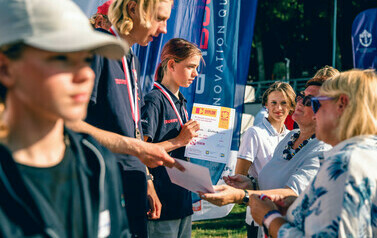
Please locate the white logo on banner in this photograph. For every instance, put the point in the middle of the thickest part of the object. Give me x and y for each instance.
(365, 38)
(200, 83)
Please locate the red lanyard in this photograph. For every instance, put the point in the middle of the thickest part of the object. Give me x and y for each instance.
(162, 89)
(133, 97)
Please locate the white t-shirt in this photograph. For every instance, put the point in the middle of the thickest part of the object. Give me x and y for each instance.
(260, 116)
(258, 144)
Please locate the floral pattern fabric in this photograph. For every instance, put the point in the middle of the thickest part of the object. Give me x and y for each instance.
(341, 201)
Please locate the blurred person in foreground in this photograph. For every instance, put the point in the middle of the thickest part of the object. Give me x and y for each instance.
(114, 107)
(341, 200)
(53, 182)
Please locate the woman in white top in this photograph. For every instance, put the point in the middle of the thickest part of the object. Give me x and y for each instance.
(259, 142)
(341, 200)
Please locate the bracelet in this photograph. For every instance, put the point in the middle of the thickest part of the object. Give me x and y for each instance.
(263, 196)
(268, 218)
(253, 182)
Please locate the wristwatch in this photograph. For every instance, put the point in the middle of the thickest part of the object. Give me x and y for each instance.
(149, 177)
(245, 199)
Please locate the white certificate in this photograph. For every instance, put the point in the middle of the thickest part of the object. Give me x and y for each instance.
(215, 134)
(195, 178)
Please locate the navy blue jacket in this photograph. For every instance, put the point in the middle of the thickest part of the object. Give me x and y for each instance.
(160, 123)
(109, 107)
(101, 189)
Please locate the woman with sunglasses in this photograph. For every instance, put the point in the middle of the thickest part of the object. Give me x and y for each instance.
(341, 199)
(294, 163)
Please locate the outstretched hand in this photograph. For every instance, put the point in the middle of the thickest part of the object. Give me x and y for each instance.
(223, 195)
(238, 181)
(153, 155)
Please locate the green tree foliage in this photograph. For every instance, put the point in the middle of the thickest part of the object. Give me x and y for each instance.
(302, 32)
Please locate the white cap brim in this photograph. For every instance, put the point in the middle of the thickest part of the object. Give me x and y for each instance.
(100, 43)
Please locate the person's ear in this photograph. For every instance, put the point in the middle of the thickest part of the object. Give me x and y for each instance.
(131, 9)
(99, 21)
(342, 103)
(6, 78)
(171, 65)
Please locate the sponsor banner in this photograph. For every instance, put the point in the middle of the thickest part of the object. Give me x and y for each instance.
(226, 39)
(364, 40)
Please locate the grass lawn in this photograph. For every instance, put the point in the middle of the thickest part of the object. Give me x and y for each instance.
(232, 225)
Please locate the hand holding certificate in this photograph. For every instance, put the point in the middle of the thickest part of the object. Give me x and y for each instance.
(195, 178)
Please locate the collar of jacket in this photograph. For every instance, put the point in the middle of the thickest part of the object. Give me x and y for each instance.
(91, 168)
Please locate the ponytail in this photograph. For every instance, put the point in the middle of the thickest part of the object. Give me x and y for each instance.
(159, 75)
(176, 49)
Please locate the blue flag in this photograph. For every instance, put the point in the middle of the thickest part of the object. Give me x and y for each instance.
(364, 39)
(226, 43)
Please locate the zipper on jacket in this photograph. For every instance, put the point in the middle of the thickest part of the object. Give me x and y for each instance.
(102, 172)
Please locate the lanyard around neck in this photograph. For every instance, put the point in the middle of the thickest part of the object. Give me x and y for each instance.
(162, 89)
(133, 97)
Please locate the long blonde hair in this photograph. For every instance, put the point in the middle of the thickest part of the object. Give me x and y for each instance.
(121, 20)
(360, 115)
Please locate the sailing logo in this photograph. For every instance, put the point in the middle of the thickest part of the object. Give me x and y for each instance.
(365, 38)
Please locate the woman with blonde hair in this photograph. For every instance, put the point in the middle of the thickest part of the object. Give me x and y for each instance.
(341, 199)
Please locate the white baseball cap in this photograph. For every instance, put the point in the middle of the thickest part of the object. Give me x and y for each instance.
(54, 25)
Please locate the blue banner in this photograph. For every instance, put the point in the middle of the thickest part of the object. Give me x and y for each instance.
(364, 39)
(185, 22)
(226, 39)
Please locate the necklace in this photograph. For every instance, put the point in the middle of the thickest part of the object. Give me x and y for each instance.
(287, 154)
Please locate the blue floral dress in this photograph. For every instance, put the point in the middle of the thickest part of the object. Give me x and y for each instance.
(341, 201)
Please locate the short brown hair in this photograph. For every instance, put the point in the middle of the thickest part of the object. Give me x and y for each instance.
(284, 88)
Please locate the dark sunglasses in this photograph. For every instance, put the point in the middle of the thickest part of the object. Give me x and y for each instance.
(305, 99)
(315, 101)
